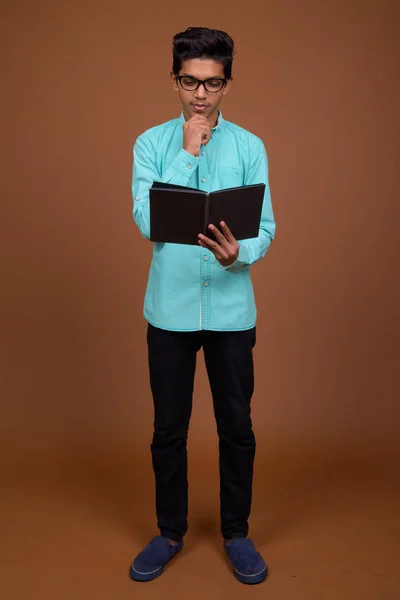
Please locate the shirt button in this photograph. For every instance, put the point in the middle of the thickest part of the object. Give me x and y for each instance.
(205, 257)
(206, 283)
(137, 198)
(203, 153)
(203, 179)
(189, 166)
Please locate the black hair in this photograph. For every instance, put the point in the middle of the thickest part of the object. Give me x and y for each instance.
(201, 42)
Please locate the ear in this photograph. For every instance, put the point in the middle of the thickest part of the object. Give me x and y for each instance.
(227, 87)
(174, 81)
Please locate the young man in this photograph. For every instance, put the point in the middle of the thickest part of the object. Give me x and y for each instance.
(201, 297)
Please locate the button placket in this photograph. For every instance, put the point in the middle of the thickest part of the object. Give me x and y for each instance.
(203, 172)
(205, 262)
(205, 282)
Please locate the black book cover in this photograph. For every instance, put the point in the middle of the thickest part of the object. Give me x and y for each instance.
(178, 214)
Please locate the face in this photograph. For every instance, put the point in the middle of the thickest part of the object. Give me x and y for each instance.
(201, 101)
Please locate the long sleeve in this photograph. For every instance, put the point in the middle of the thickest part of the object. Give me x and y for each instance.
(145, 172)
(252, 250)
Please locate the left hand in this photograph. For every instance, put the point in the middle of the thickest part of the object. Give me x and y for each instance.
(225, 248)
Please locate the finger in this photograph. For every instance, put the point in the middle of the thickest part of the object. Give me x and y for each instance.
(227, 232)
(201, 119)
(206, 241)
(210, 244)
(198, 121)
(221, 239)
(206, 133)
(214, 249)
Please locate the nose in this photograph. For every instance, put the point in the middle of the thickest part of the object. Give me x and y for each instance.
(201, 91)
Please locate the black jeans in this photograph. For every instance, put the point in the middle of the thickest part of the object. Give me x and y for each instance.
(229, 362)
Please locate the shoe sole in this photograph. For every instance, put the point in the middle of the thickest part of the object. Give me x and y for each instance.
(137, 576)
(252, 579)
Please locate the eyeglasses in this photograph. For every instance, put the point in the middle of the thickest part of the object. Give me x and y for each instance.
(191, 84)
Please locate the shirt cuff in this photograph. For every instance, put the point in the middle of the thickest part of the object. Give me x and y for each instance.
(185, 163)
(241, 261)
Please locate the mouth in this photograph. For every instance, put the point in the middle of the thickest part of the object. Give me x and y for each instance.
(200, 107)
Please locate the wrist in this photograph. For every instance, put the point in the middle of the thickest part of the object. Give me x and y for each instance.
(228, 262)
(193, 151)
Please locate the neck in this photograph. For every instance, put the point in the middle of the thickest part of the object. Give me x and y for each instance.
(213, 119)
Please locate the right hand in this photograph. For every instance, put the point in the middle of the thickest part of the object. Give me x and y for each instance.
(196, 131)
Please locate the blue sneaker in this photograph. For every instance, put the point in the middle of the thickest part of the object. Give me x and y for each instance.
(151, 561)
(248, 564)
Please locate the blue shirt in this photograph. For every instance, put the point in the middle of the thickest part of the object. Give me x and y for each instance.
(188, 289)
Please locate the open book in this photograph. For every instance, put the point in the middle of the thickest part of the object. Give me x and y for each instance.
(178, 214)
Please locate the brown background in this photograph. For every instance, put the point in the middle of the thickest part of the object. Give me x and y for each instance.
(319, 83)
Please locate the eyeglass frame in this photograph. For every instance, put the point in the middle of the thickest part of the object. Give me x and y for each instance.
(202, 82)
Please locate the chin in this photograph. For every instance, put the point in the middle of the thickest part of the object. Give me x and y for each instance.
(206, 113)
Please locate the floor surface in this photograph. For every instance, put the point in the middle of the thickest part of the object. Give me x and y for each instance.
(327, 533)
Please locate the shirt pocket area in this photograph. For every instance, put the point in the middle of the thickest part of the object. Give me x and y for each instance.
(230, 176)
